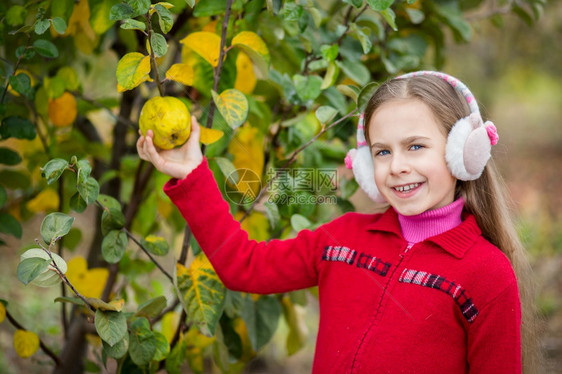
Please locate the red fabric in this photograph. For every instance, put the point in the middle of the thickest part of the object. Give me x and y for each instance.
(376, 314)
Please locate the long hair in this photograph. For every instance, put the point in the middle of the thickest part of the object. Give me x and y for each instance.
(485, 197)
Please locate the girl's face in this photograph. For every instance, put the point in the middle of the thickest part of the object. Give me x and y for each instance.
(408, 149)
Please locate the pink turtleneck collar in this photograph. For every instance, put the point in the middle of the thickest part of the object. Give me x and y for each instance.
(419, 227)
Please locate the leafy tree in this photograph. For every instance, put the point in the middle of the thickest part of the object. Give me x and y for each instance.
(280, 82)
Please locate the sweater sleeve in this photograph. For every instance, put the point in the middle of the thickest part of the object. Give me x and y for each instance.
(494, 340)
(243, 264)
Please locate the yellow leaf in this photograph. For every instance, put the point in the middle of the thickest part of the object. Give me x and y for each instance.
(164, 4)
(2, 312)
(113, 305)
(233, 106)
(211, 26)
(182, 73)
(245, 76)
(26, 343)
(255, 47)
(170, 322)
(85, 38)
(46, 201)
(90, 283)
(205, 44)
(256, 225)
(202, 294)
(247, 149)
(132, 70)
(210, 136)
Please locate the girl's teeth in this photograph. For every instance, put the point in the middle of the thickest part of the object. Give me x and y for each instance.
(406, 188)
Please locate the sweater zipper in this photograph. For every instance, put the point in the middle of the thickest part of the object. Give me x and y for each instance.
(401, 255)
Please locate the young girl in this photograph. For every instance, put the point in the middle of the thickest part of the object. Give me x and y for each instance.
(428, 286)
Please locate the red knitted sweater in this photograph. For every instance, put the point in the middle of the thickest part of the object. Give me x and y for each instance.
(449, 304)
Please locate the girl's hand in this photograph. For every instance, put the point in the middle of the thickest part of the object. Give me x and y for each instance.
(176, 162)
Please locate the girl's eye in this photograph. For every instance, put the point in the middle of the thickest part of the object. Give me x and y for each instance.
(416, 147)
(383, 152)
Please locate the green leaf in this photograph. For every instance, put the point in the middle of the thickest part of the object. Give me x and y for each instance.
(165, 19)
(162, 347)
(359, 34)
(9, 157)
(201, 293)
(348, 187)
(111, 326)
(330, 52)
(233, 106)
(55, 225)
(228, 169)
(54, 86)
(99, 304)
(48, 277)
(22, 85)
(390, 17)
(84, 170)
(89, 191)
(41, 26)
(365, 95)
(380, 5)
(261, 319)
(308, 87)
(15, 16)
(100, 11)
(140, 7)
(59, 25)
(155, 245)
(3, 196)
(349, 91)
(113, 246)
(109, 202)
(14, 179)
(112, 219)
(119, 349)
(452, 14)
(30, 268)
(10, 225)
(176, 358)
(54, 169)
(158, 44)
(152, 307)
(132, 70)
(325, 114)
(62, 8)
(142, 342)
(45, 48)
(17, 127)
(121, 11)
(73, 238)
(299, 222)
(272, 212)
(25, 53)
(70, 78)
(132, 24)
(355, 3)
(416, 16)
(72, 300)
(206, 8)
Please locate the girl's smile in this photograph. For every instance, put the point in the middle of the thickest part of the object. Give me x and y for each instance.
(408, 150)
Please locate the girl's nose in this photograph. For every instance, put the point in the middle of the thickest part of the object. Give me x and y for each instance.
(399, 165)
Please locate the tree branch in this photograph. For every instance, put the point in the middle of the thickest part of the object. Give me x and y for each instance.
(43, 346)
(152, 56)
(131, 236)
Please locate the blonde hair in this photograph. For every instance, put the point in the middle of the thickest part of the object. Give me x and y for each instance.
(484, 197)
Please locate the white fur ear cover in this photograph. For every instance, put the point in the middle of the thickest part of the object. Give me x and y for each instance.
(364, 173)
(468, 148)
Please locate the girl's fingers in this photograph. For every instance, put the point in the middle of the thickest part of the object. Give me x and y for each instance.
(150, 150)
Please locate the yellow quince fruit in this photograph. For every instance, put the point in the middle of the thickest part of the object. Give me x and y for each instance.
(169, 120)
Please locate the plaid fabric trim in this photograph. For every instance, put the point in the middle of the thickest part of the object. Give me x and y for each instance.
(455, 290)
(339, 253)
(373, 263)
